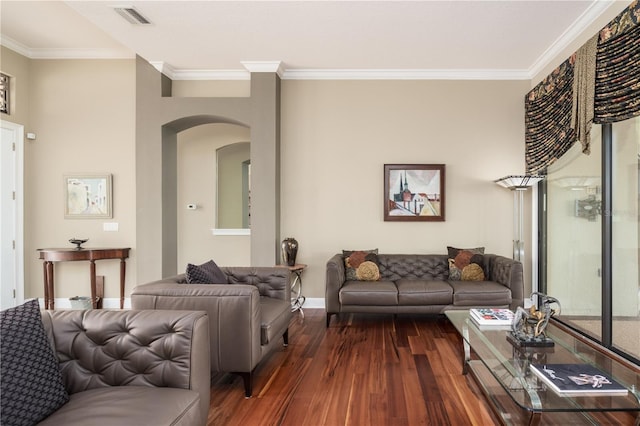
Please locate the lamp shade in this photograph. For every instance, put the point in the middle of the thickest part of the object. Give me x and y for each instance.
(518, 181)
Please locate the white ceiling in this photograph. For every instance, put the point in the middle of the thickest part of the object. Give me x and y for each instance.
(209, 39)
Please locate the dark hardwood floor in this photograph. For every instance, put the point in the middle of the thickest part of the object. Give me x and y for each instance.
(364, 370)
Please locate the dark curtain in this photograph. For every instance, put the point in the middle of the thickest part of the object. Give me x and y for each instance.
(617, 92)
(548, 107)
(548, 119)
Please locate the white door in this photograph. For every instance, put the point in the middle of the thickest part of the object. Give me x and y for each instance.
(11, 229)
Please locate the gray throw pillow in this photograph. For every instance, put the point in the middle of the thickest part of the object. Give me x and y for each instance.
(31, 386)
(207, 273)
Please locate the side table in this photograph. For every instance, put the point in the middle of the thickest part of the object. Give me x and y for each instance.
(297, 299)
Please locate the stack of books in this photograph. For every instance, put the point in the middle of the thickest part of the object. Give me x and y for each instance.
(492, 317)
(577, 380)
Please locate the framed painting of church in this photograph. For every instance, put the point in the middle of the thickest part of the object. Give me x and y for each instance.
(414, 192)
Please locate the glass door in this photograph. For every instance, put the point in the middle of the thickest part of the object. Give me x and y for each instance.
(574, 223)
(625, 236)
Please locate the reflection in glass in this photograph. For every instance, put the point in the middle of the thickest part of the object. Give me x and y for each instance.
(626, 234)
(574, 228)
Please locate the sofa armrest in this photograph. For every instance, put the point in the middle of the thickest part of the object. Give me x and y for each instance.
(232, 348)
(98, 348)
(508, 272)
(333, 282)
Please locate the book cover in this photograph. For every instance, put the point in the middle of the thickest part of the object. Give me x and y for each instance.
(577, 380)
(492, 316)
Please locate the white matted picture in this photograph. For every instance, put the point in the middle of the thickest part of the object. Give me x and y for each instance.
(87, 196)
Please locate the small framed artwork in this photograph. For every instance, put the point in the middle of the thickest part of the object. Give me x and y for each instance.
(414, 192)
(87, 196)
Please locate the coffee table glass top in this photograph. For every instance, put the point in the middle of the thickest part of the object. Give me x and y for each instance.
(509, 365)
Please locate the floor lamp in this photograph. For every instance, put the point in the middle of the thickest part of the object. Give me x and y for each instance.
(518, 184)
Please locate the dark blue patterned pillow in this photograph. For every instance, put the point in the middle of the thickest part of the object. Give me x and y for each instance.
(31, 386)
(207, 273)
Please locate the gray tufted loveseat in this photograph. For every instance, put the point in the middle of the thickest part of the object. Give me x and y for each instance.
(248, 315)
(131, 367)
(420, 284)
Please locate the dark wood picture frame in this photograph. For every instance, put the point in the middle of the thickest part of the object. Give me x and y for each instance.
(414, 192)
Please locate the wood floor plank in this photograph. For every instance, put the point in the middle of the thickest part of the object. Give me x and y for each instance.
(364, 370)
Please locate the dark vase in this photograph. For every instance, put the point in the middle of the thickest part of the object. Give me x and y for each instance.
(289, 251)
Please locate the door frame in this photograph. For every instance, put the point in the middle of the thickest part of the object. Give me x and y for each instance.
(18, 158)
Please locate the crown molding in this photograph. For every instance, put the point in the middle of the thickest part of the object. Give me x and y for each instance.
(405, 74)
(263, 66)
(10, 43)
(61, 53)
(178, 74)
(341, 74)
(588, 17)
(163, 68)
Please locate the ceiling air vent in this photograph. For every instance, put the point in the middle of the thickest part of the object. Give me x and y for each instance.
(132, 15)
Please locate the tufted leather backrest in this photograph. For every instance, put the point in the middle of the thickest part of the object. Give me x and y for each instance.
(270, 281)
(99, 348)
(413, 266)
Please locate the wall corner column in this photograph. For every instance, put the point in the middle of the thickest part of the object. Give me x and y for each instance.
(265, 168)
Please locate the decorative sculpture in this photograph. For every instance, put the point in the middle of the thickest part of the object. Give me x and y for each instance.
(78, 242)
(528, 327)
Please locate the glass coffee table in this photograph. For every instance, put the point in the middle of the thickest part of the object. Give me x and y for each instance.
(517, 396)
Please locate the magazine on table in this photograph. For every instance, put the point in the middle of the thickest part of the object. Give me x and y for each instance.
(577, 380)
(492, 316)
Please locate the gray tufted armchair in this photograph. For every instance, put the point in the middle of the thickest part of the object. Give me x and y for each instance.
(131, 367)
(247, 317)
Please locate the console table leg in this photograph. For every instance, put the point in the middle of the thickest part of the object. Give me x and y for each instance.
(122, 275)
(48, 285)
(92, 267)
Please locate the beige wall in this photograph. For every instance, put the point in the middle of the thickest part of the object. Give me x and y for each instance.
(337, 135)
(206, 88)
(82, 112)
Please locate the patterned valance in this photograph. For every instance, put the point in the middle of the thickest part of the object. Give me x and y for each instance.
(548, 118)
(617, 92)
(549, 121)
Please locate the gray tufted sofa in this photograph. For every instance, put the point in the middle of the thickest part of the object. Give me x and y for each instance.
(419, 284)
(247, 317)
(131, 367)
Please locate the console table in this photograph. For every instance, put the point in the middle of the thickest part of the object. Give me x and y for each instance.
(515, 393)
(51, 255)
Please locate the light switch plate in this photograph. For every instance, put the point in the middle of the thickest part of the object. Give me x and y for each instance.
(110, 226)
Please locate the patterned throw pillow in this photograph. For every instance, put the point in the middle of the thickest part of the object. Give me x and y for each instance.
(31, 386)
(466, 264)
(207, 273)
(361, 265)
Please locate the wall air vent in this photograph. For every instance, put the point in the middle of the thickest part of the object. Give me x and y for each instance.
(132, 15)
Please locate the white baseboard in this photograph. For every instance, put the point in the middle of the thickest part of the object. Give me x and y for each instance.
(107, 303)
(314, 303)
